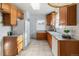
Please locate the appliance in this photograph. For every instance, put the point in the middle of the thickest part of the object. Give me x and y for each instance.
(27, 33)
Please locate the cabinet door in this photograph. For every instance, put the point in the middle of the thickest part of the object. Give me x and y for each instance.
(9, 46)
(20, 43)
(71, 15)
(68, 48)
(49, 38)
(41, 36)
(13, 15)
(63, 15)
(6, 7)
(20, 14)
(49, 18)
(6, 19)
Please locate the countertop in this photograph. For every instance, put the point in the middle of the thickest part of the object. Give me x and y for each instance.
(16, 35)
(58, 36)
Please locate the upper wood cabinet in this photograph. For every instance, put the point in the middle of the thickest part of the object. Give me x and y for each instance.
(10, 14)
(6, 7)
(20, 14)
(68, 15)
(13, 15)
(9, 19)
(49, 19)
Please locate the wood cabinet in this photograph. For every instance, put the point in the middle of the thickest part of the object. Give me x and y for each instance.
(20, 43)
(12, 45)
(13, 15)
(49, 19)
(9, 13)
(20, 14)
(49, 38)
(41, 36)
(6, 19)
(68, 15)
(6, 7)
(10, 19)
(68, 48)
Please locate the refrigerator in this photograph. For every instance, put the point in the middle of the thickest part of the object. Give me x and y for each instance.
(27, 33)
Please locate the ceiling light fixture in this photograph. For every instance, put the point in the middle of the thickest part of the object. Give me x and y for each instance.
(58, 5)
(35, 6)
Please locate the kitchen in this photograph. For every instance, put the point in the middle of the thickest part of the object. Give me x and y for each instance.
(53, 28)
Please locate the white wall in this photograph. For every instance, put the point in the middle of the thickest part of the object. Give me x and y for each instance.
(33, 20)
(19, 29)
(32, 26)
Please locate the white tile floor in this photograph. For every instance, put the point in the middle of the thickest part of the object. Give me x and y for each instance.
(37, 48)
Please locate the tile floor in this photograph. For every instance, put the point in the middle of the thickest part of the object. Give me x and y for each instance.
(37, 48)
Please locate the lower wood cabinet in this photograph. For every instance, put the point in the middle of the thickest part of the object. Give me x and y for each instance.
(68, 48)
(41, 36)
(12, 45)
(62, 46)
(20, 43)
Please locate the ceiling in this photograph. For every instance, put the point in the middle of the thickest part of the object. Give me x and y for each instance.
(44, 8)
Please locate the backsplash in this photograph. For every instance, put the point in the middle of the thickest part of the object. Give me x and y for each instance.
(74, 31)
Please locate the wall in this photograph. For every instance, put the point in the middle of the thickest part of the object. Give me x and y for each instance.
(33, 20)
(19, 29)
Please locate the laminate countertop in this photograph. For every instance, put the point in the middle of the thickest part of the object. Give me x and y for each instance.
(58, 36)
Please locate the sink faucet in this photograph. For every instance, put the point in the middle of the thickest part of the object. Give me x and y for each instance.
(52, 27)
